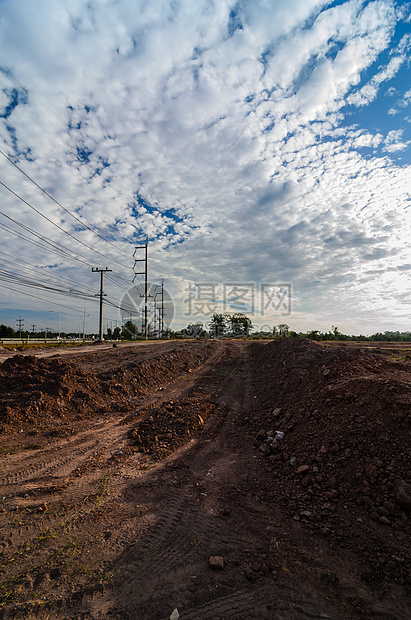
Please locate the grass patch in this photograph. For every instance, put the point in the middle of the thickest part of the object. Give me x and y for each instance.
(103, 485)
(46, 535)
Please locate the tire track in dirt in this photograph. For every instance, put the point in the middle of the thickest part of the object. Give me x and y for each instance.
(165, 534)
(263, 602)
(67, 456)
(71, 454)
(190, 527)
(48, 466)
(183, 527)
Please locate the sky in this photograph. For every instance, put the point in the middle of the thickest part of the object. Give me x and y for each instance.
(262, 147)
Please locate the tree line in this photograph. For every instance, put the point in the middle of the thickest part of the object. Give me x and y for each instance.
(226, 325)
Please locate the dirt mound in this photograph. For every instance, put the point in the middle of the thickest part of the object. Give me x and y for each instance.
(171, 425)
(137, 376)
(39, 392)
(36, 391)
(334, 425)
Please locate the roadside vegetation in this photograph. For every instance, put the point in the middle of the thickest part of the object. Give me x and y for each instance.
(236, 325)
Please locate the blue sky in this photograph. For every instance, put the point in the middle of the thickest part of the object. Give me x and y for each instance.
(255, 143)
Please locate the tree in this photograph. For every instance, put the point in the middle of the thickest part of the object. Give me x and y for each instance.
(194, 330)
(283, 330)
(218, 325)
(6, 332)
(241, 325)
(129, 331)
(116, 333)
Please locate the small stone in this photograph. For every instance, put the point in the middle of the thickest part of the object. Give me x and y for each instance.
(174, 615)
(371, 470)
(303, 469)
(265, 449)
(384, 521)
(265, 569)
(383, 512)
(216, 562)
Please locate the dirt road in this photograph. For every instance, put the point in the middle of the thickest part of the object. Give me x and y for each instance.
(229, 480)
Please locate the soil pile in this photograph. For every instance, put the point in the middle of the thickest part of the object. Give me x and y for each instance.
(171, 425)
(334, 424)
(36, 391)
(42, 392)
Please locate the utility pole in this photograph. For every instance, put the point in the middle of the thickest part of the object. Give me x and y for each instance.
(19, 323)
(59, 313)
(84, 320)
(162, 307)
(145, 273)
(32, 329)
(159, 309)
(101, 272)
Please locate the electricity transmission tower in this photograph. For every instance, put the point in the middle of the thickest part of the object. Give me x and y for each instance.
(145, 273)
(159, 309)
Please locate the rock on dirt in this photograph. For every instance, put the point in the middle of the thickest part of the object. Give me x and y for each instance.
(216, 562)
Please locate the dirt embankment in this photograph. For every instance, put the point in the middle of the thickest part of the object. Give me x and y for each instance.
(55, 392)
(225, 479)
(343, 467)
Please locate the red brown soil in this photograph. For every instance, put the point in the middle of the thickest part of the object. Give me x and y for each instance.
(223, 479)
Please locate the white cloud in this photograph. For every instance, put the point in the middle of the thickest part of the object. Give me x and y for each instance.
(393, 142)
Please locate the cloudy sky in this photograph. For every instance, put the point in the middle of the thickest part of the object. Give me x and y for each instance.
(257, 143)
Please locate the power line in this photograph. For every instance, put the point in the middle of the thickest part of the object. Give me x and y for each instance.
(44, 241)
(30, 269)
(32, 100)
(55, 303)
(59, 249)
(7, 276)
(85, 225)
(57, 225)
